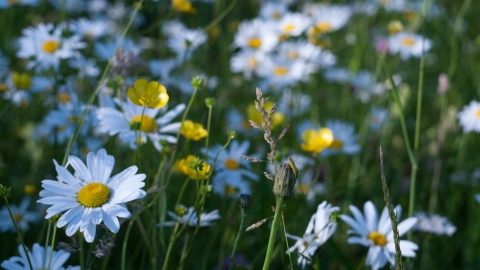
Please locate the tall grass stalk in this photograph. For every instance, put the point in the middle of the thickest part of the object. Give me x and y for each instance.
(393, 216)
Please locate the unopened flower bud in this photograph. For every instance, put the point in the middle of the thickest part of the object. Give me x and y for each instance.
(5, 192)
(244, 201)
(197, 82)
(210, 102)
(285, 180)
(394, 27)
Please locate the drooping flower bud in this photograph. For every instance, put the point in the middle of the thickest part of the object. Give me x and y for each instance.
(244, 201)
(285, 180)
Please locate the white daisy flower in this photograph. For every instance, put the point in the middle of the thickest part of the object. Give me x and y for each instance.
(329, 18)
(90, 29)
(469, 117)
(231, 170)
(339, 75)
(37, 256)
(294, 103)
(106, 50)
(319, 229)
(256, 35)
(45, 44)
(434, 223)
(21, 215)
(273, 10)
(185, 42)
(313, 56)
(378, 117)
(293, 24)
(69, 6)
(392, 5)
(344, 139)
(91, 196)
(190, 217)
(408, 44)
(248, 62)
(19, 86)
(126, 122)
(172, 27)
(280, 71)
(86, 67)
(10, 3)
(377, 234)
(363, 84)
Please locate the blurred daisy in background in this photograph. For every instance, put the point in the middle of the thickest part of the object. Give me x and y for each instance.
(469, 117)
(105, 50)
(247, 62)
(280, 72)
(328, 18)
(363, 84)
(44, 46)
(92, 195)
(256, 35)
(231, 170)
(337, 74)
(39, 258)
(184, 215)
(11, 3)
(126, 123)
(185, 42)
(377, 234)
(408, 44)
(273, 10)
(4, 63)
(294, 103)
(312, 55)
(434, 223)
(20, 213)
(320, 228)
(90, 29)
(86, 67)
(378, 117)
(344, 139)
(19, 87)
(292, 24)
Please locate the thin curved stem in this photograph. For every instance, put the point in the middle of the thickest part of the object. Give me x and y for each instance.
(273, 234)
(237, 240)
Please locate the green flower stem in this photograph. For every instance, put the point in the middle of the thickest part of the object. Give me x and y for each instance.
(46, 244)
(170, 245)
(124, 247)
(273, 233)
(92, 97)
(237, 240)
(18, 232)
(220, 17)
(208, 131)
(53, 243)
(82, 256)
(286, 241)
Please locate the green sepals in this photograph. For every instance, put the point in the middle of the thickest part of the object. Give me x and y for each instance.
(5, 192)
(205, 190)
(210, 102)
(134, 125)
(180, 210)
(116, 82)
(334, 216)
(197, 82)
(197, 164)
(231, 134)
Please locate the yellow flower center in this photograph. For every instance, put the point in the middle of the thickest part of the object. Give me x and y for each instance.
(50, 46)
(317, 140)
(61, 128)
(255, 43)
(336, 144)
(292, 55)
(63, 97)
(21, 80)
(17, 217)
(478, 113)
(280, 71)
(88, 34)
(3, 87)
(276, 15)
(408, 15)
(230, 190)
(94, 195)
(378, 239)
(303, 188)
(324, 27)
(288, 28)
(29, 189)
(251, 62)
(408, 41)
(231, 164)
(148, 123)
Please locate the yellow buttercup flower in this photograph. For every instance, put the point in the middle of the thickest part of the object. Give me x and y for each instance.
(183, 166)
(194, 131)
(317, 140)
(256, 116)
(21, 80)
(183, 6)
(152, 95)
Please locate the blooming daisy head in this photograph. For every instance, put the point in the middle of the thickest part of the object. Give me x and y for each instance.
(408, 44)
(44, 46)
(377, 234)
(257, 35)
(320, 228)
(188, 216)
(11, 3)
(344, 139)
(280, 71)
(469, 117)
(91, 195)
(292, 24)
(20, 213)
(434, 223)
(248, 62)
(90, 29)
(273, 10)
(329, 18)
(185, 42)
(40, 258)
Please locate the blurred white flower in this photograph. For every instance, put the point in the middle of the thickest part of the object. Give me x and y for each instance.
(408, 44)
(40, 258)
(469, 117)
(434, 223)
(256, 35)
(190, 217)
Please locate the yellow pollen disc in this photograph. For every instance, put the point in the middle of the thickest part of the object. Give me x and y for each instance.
(292, 55)
(305, 244)
(29, 189)
(408, 41)
(478, 113)
(17, 217)
(88, 34)
(3, 87)
(73, 119)
(324, 26)
(148, 123)
(251, 62)
(276, 15)
(303, 188)
(336, 144)
(94, 195)
(255, 43)
(230, 190)
(50, 46)
(231, 164)
(63, 97)
(288, 28)
(61, 128)
(378, 239)
(280, 71)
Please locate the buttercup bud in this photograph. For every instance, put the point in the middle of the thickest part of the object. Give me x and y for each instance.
(244, 201)
(197, 82)
(285, 180)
